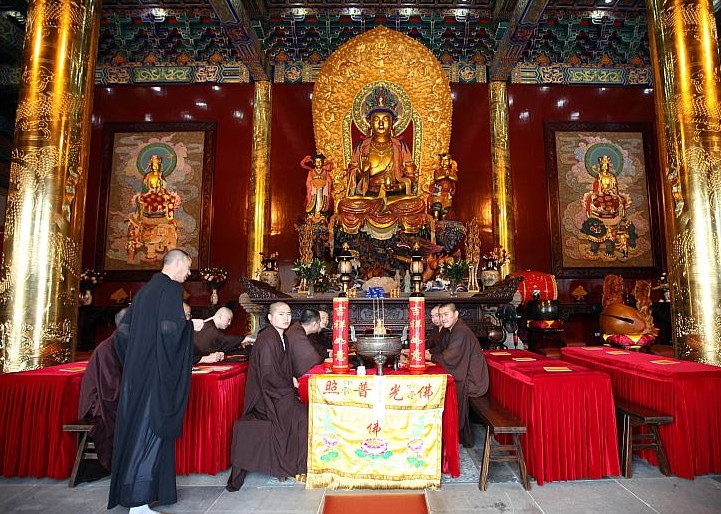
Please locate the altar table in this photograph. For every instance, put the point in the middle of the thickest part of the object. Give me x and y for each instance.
(450, 459)
(567, 409)
(688, 391)
(34, 406)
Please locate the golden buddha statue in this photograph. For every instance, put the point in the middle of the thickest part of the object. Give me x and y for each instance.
(381, 164)
(380, 191)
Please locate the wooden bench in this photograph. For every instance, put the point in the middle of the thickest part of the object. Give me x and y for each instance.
(634, 415)
(86, 448)
(499, 421)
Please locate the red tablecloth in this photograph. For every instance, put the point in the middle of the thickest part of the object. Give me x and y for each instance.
(688, 391)
(569, 415)
(215, 403)
(450, 459)
(34, 406)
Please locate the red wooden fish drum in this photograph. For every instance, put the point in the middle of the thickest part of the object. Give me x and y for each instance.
(545, 283)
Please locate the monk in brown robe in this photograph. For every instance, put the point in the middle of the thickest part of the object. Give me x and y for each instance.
(323, 340)
(99, 393)
(463, 359)
(303, 353)
(272, 435)
(435, 336)
(210, 338)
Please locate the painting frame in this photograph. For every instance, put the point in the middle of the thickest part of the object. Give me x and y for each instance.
(194, 156)
(642, 205)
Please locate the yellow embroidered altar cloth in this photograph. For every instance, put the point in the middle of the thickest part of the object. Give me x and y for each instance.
(375, 432)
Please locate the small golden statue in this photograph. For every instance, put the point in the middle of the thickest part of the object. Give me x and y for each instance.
(443, 188)
(612, 290)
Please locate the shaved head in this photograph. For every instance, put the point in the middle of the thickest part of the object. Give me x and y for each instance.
(279, 316)
(222, 318)
(174, 255)
(176, 265)
(277, 305)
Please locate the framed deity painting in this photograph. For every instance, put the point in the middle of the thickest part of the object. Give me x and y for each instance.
(603, 200)
(155, 195)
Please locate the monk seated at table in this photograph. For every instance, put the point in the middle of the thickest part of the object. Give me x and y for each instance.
(211, 344)
(272, 435)
(322, 341)
(434, 338)
(99, 394)
(460, 353)
(303, 353)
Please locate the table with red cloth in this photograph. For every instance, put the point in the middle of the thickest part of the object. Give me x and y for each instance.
(568, 412)
(34, 406)
(450, 457)
(688, 391)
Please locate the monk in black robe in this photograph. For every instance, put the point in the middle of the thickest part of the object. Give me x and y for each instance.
(303, 354)
(99, 393)
(463, 359)
(154, 345)
(272, 435)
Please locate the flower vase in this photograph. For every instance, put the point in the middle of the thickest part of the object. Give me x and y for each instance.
(311, 289)
(453, 289)
(490, 277)
(214, 296)
(86, 297)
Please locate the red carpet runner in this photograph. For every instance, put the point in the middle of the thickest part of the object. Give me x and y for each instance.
(376, 503)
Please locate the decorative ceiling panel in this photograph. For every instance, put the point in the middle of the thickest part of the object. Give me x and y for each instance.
(589, 40)
(178, 36)
(311, 35)
(385, 4)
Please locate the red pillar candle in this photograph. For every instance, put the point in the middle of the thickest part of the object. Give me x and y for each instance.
(340, 335)
(417, 335)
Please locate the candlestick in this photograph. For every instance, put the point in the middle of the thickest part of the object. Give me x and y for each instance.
(340, 335)
(417, 335)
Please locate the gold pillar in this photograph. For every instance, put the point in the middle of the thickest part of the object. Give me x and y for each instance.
(259, 206)
(684, 50)
(503, 220)
(46, 198)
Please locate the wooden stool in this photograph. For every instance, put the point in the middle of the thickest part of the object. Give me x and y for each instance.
(499, 421)
(86, 448)
(634, 415)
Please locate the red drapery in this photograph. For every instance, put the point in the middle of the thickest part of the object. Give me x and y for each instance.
(34, 405)
(450, 460)
(569, 415)
(688, 391)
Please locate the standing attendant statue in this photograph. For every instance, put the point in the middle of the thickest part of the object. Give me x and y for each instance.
(317, 184)
(443, 188)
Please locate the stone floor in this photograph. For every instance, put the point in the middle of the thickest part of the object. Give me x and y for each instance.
(647, 492)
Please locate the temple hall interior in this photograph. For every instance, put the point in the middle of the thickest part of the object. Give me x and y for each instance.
(545, 172)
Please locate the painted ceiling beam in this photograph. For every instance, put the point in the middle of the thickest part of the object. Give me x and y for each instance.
(502, 9)
(521, 25)
(236, 25)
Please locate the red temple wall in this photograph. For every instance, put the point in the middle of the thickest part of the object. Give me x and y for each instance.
(292, 138)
